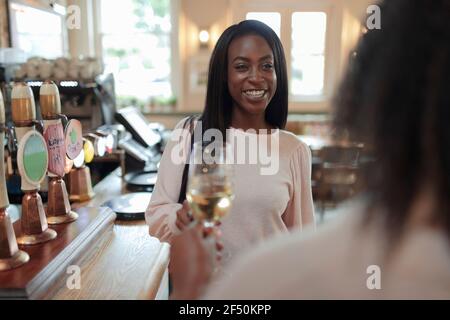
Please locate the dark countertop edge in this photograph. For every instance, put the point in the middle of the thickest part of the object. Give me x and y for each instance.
(188, 113)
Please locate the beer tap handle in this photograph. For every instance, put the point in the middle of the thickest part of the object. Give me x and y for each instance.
(64, 119)
(39, 126)
(12, 150)
(11, 138)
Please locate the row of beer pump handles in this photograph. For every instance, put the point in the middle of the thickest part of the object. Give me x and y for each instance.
(54, 148)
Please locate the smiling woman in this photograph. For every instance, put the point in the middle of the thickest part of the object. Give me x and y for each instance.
(247, 90)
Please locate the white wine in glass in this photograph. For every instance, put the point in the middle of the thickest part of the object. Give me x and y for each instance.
(210, 187)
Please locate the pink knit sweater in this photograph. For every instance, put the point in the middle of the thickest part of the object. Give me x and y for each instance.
(264, 204)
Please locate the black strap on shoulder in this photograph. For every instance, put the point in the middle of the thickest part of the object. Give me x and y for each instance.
(184, 178)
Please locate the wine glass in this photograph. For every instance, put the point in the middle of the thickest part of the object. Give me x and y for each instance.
(210, 182)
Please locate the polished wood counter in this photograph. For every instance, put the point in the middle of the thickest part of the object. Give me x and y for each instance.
(126, 264)
(115, 259)
(49, 260)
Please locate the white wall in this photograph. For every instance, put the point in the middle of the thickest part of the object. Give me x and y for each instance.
(197, 14)
(82, 41)
(354, 15)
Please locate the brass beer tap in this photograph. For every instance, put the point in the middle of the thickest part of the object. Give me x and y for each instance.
(10, 255)
(31, 156)
(58, 206)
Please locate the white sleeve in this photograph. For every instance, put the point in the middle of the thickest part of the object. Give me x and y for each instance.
(161, 211)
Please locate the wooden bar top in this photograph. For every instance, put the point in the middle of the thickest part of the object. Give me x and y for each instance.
(127, 264)
(48, 260)
(124, 261)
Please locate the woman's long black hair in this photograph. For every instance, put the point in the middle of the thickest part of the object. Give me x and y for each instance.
(218, 105)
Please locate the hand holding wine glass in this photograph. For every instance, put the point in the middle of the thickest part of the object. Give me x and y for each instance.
(210, 185)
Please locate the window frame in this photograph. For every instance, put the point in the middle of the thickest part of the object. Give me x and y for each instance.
(332, 45)
(14, 34)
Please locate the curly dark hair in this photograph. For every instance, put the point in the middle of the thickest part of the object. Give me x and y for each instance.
(395, 98)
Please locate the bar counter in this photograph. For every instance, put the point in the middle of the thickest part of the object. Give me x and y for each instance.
(117, 259)
(127, 264)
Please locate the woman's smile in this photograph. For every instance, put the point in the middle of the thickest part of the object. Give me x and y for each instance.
(255, 94)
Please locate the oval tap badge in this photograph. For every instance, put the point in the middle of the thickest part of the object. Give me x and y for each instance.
(73, 138)
(32, 157)
(54, 136)
(89, 151)
(78, 162)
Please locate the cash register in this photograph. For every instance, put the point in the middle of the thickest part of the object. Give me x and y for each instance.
(142, 146)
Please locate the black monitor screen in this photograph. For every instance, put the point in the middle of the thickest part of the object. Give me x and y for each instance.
(138, 125)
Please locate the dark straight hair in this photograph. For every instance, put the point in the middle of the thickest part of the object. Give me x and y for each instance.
(218, 105)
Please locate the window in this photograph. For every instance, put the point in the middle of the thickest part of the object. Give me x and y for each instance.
(37, 32)
(136, 48)
(308, 53)
(303, 33)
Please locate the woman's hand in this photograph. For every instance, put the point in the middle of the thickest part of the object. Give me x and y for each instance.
(192, 261)
(184, 217)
